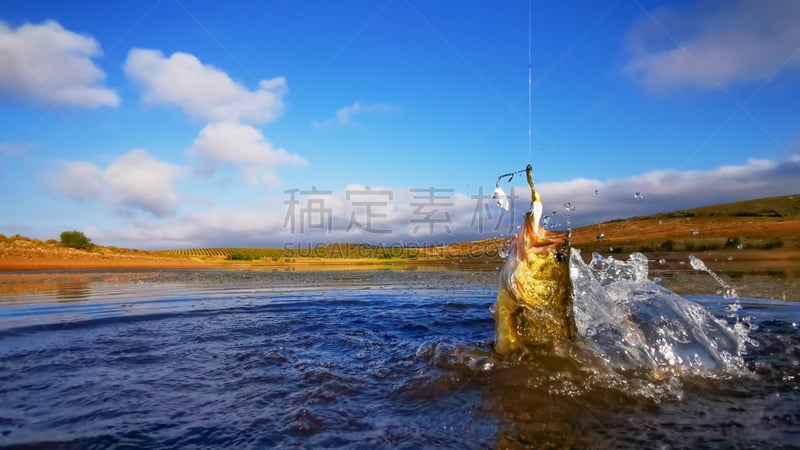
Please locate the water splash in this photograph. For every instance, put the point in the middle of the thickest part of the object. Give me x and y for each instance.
(569, 206)
(698, 264)
(632, 322)
(638, 195)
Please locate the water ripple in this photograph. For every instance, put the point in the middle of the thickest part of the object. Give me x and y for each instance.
(259, 364)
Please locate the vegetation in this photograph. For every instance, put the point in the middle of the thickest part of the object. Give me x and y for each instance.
(241, 256)
(733, 242)
(347, 251)
(75, 239)
(772, 243)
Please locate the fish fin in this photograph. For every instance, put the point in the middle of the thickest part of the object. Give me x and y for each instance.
(506, 339)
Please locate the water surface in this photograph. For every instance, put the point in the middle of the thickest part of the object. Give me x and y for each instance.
(397, 359)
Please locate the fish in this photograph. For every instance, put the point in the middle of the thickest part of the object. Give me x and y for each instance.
(534, 299)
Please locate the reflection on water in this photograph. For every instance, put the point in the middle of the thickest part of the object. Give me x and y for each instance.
(367, 360)
(71, 291)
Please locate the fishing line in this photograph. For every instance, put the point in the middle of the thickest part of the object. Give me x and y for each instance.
(530, 127)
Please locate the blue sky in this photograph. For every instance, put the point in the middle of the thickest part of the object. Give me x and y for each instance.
(184, 123)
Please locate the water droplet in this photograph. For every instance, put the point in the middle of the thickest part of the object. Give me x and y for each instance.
(554, 213)
(660, 221)
(730, 258)
(503, 254)
(696, 232)
(491, 309)
(662, 261)
(657, 280)
(545, 221)
(601, 236)
(796, 325)
(596, 192)
(638, 195)
(610, 249)
(740, 246)
(697, 263)
(569, 206)
(731, 293)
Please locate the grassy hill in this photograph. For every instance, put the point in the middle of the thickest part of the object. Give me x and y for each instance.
(765, 224)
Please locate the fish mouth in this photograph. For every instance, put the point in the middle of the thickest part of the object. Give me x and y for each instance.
(535, 241)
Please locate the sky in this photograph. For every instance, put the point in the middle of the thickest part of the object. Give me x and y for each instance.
(162, 124)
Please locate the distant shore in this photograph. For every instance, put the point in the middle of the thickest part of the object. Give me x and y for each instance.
(786, 260)
(753, 273)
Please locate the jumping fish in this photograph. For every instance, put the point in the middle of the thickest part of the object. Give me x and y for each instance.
(534, 299)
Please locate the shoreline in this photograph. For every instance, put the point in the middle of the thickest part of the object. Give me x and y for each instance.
(771, 274)
(787, 260)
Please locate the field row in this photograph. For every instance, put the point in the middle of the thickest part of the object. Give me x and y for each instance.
(276, 254)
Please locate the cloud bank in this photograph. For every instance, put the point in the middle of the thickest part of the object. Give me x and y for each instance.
(46, 63)
(424, 214)
(715, 44)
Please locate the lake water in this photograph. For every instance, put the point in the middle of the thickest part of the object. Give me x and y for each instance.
(380, 359)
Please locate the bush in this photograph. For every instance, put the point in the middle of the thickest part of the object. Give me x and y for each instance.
(241, 256)
(75, 239)
(772, 244)
(733, 242)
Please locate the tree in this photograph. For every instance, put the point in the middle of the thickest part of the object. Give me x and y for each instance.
(75, 239)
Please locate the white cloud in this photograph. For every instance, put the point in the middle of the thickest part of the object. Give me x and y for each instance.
(662, 191)
(46, 63)
(718, 44)
(140, 181)
(669, 190)
(135, 181)
(202, 90)
(242, 146)
(346, 115)
(81, 180)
